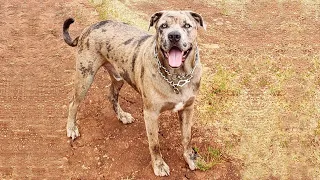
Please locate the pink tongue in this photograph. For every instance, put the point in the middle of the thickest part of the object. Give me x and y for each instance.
(175, 57)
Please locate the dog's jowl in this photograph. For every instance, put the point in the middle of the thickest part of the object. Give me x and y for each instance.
(163, 68)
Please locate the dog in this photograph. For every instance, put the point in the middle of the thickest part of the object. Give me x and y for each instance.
(164, 69)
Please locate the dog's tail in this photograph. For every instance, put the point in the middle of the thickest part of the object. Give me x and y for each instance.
(66, 35)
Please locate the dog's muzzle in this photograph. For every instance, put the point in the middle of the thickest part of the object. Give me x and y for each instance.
(176, 56)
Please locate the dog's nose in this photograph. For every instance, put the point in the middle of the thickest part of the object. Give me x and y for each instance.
(174, 36)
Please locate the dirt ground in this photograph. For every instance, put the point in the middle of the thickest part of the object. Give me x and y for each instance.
(264, 113)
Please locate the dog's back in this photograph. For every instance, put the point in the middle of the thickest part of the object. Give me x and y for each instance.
(118, 43)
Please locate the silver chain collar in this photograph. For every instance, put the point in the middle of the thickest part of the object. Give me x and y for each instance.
(182, 79)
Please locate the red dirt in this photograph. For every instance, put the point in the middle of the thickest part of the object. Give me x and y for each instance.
(36, 77)
(35, 86)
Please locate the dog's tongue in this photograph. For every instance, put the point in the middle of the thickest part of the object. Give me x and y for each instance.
(175, 57)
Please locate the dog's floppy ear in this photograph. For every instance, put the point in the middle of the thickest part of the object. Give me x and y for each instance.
(154, 18)
(198, 19)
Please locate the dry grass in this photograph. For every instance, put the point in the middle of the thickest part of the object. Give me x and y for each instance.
(208, 158)
(117, 10)
(264, 99)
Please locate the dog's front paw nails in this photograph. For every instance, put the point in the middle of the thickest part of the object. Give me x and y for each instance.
(160, 168)
(126, 118)
(73, 132)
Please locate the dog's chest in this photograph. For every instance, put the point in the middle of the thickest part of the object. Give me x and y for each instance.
(181, 103)
(179, 106)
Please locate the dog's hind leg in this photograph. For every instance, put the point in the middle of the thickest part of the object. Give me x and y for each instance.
(116, 84)
(85, 72)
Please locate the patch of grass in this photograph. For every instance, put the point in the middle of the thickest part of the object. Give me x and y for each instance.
(316, 62)
(221, 82)
(216, 90)
(208, 159)
(114, 9)
(276, 88)
(317, 131)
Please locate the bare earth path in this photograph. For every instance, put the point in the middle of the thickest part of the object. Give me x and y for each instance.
(265, 117)
(35, 86)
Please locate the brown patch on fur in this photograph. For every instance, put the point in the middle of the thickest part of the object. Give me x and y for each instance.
(114, 96)
(127, 78)
(156, 149)
(189, 102)
(197, 86)
(86, 70)
(88, 44)
(82, 38)
(134, 60)
(142, 73)
(114, 100)
(160, 31)
(88, 31)
(167, 106)
(136, 52)
(100, 24)
(98, 46)
(128, 41)
(142, 39)
(108, 46)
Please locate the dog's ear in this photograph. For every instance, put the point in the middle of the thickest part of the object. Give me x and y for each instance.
(198, 19)
(154, 18)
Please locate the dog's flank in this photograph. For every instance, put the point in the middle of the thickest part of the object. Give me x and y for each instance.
(66, 35)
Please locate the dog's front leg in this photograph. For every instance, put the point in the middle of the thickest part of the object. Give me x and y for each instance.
(160, 168)
(186, 120)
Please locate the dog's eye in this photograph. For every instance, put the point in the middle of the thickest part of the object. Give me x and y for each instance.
(163, 26)
(187, 26)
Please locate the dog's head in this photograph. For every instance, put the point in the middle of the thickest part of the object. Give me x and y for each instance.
(176, 34)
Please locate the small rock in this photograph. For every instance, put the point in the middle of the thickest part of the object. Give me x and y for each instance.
(215, 46)
(84, 167)
(219, 23)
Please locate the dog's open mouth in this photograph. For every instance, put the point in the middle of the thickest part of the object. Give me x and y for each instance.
(176, 56)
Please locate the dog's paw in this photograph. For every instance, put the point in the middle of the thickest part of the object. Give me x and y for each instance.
(126, 118)
(191, 157)
(72, 131)
(160, 168)
(192, 165)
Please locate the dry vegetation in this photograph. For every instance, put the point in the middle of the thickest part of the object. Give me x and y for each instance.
(263, 97)
(260, 88)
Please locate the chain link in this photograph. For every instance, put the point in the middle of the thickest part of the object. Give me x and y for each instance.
(182, 79)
